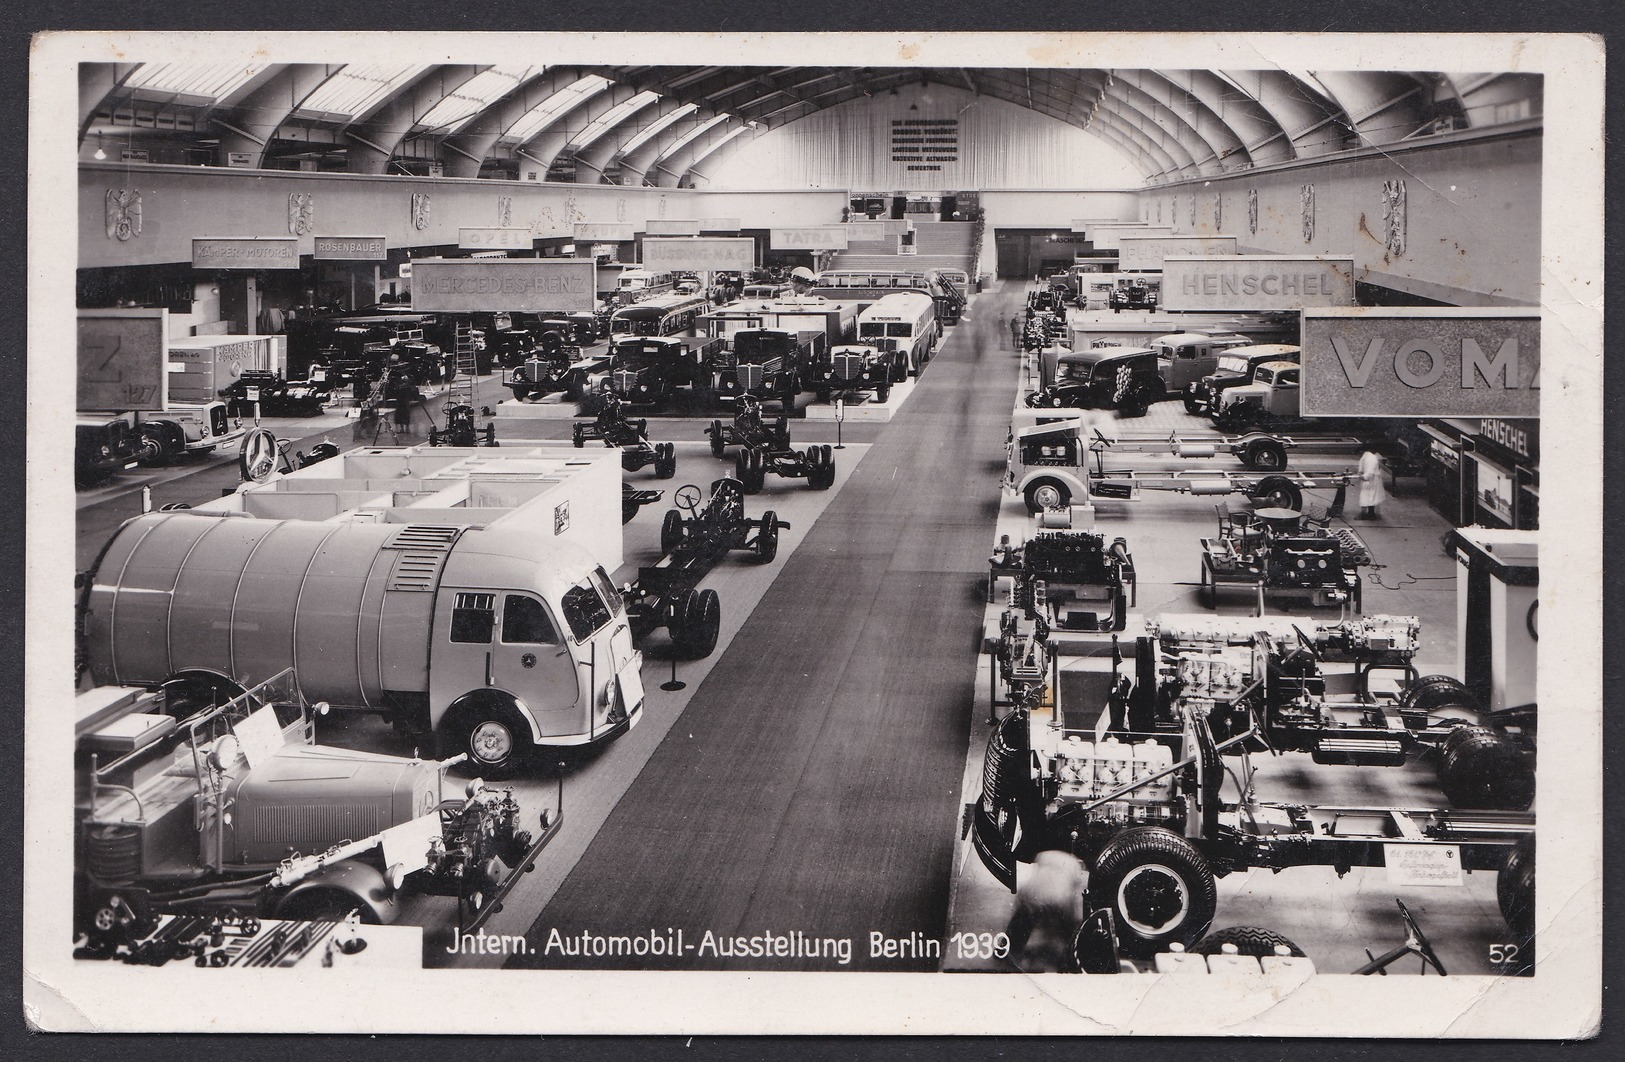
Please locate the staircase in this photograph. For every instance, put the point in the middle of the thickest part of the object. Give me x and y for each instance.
(937, 245)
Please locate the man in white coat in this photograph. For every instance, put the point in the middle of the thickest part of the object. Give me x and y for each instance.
(1372, 492)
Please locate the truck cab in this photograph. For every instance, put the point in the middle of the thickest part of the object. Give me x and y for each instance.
(1234, 367)
(1186, 358)
(854, 366)
(763, 362)
(1272, 396)
(647, 370)
(1126, 379)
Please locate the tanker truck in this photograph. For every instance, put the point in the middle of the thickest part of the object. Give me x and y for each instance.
(482, 640)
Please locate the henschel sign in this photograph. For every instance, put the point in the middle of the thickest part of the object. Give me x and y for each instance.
(503, 284)
(1256, 282)
(1436, 362)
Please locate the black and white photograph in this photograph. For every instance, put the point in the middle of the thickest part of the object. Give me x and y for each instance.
(990, 534)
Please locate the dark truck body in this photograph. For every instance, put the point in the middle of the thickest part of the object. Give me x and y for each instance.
(102, 447)
(853, 367)
(651, 370)
(1127, 380)
(765, 362)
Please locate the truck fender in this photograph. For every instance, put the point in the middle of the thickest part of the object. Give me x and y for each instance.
(470, 701)
(360, 882)
(1073, 483)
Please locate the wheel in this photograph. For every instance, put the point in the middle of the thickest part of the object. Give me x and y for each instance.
(520, 392)
(1033, 399)
(1047, 494)
(1159, 888)
(1248, 939)
(698, 623)
(1279, 492)
(665, 461)
(767, 541)
(1515, 888)
(629, 510)
(154, 448)
(882, 391)
(186, 694)
(1193, 406)
(1483, 769)
(742, 468)
(715, 433)
(493, 737)
(758, 471)
(822, 476)
(671, 531)
(1266, 455)
(823, 394)
(1431, 693)
(1134, 404)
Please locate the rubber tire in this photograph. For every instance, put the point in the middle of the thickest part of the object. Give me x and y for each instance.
(882, 392)
(1249, 940)
(1193, 406)
(1129, 856)
(1033, 399)
(699, 624)
(1484, 769)
(671, 531)
(1035, 491)
(825, 470)
(767, 541)
(1280, 492)
(521, 392)
(1133, 405)
(1430, 693)
(715, 433)
(758, 472)
(1266, 455)
(157, 445)
(472, 721)
(665, 461)
(1515, 888)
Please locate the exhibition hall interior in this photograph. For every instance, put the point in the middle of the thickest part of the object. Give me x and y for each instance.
(540, 515)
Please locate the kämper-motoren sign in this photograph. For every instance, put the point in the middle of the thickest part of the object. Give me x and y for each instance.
(1434, 362)
(503, 284)
(699, 253)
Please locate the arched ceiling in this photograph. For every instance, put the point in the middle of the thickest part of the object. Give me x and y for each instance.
(655, 125)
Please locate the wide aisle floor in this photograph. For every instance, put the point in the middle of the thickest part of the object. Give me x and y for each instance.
(812, 785)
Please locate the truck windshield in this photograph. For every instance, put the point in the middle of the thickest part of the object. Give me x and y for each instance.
(871, 329)
(900, 329)
(585, 611)
(1233, 364)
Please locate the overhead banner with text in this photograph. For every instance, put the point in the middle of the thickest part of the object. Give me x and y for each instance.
(357, 248)
(809, 238)
(672, 227)
(1109, 234)
(589, 232)
(487, 238)
(699, 253)
(503, 284)
(245, 253)
(1135, 252)
(1431, 362)
(1256, 282)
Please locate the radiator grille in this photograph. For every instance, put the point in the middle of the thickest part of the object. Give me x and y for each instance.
(317, 826)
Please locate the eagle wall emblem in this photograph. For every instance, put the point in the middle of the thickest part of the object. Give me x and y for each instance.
(1308, 214)
(301, 213)
(1393, 216)
(1252, 211)
(123, 214)
(420, 210)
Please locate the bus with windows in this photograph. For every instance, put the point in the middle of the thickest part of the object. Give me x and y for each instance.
(637, 284)
(905, 324)
(658, 316)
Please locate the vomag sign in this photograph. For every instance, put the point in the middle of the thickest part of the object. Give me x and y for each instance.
(1436, 362)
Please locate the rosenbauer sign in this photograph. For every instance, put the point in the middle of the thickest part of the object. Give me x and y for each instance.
(1435, 362)
(502, 284)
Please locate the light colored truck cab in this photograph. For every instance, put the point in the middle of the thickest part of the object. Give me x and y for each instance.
(1272, 395)
(1185, 358)
(489, 639)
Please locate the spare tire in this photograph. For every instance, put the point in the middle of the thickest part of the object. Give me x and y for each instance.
(1248, 939)
(1515, 888)
(1159, 888)
(1431, 693)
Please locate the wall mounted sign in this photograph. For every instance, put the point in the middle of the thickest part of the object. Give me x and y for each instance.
(1256, 282)
(699, 253)
(488, 238)
(673, 227)
(1147, 253)
(123, 355)
(245, 253)
(503, 284)
(808, 238)
(1430, 362)
(359, 248)
(588, 232)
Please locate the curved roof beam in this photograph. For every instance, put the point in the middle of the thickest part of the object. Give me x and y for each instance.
(1384, 106)
(1222, 143)
(591, 161)
(1154, 159)
(668, 171)
(1312, 124)
(1119, 100)
(716, 157)
(247, 127)
(1261, 137)
(1163, 125)
(372, 143)
(1124, 144)
(553, 138)
(466, 151)
(635, 164)
(97, 81)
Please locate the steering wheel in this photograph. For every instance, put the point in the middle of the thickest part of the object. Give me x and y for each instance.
(1417, 941)
(688, 498)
